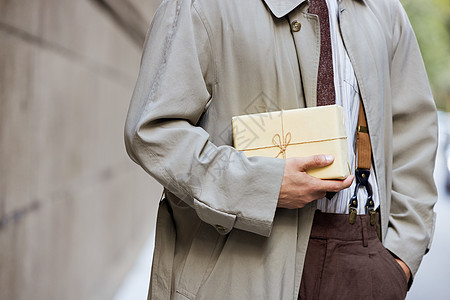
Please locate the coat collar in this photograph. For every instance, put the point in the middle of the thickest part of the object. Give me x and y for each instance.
(280, 8)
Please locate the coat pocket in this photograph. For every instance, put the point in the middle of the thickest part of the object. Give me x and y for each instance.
(200, 261)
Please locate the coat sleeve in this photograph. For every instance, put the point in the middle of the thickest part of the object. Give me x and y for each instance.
(411, 220)
(174, 86)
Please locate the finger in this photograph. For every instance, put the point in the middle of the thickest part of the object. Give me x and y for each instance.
(348, 181)
(315, 161)
(335, 185)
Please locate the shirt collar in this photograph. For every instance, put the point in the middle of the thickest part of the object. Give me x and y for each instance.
(280, 8)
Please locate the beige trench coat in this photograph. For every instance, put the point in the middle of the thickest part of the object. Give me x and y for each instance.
(219, 233)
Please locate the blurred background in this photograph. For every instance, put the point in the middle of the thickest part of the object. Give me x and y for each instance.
(76, 215)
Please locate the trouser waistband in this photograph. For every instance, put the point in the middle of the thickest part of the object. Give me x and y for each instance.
(337, 226)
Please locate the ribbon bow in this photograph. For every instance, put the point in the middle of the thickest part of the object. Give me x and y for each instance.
(282, 144)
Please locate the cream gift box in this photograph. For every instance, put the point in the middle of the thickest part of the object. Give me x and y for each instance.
(296, 133)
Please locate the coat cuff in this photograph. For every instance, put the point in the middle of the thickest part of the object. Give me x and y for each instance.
(250, 204)
(222, 221)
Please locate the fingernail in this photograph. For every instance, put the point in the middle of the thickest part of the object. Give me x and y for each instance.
(329, 158)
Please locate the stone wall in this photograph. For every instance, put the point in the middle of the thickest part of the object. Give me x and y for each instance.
(74, 209)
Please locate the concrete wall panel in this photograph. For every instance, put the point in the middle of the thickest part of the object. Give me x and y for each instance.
(146, 7)
(22, 14)
(74, 209)
(65, 120)
(17, 121)
(85, 30)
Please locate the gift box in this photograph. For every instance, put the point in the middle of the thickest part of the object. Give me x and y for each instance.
(296, 133)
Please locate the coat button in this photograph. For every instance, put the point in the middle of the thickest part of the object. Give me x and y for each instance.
(296, 26)
(220, 228)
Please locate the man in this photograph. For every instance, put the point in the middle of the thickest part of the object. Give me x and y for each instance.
(231, 227)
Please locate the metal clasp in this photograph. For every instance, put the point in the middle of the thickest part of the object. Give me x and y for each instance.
(362, 180)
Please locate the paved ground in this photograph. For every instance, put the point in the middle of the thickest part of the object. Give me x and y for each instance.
(135, 285)
(431, 282)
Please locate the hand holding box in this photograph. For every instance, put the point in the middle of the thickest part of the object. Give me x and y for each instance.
(296, 133)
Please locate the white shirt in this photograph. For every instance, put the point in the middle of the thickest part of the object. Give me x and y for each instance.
(348, 96)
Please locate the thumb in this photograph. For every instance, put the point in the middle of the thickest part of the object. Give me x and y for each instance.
(315, 161)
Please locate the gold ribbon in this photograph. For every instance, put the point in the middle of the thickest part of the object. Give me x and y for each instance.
(282, 143)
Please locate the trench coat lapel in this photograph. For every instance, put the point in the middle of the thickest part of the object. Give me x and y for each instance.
(360, 50)
(307, 42)
(362, 53)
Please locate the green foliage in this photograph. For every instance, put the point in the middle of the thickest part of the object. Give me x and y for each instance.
(431, 22)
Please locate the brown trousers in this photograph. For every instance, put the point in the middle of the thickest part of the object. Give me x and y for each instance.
(345, 261)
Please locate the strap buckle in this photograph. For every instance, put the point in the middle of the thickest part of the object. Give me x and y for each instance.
(362, 180)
